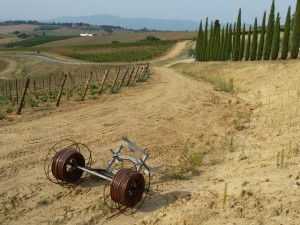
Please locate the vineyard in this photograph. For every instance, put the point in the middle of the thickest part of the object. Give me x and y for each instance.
(50, 90)
(115, 52)
(119, 52)
(36, 41)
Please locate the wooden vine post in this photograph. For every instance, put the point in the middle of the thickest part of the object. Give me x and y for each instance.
(87, 86)
(123, 79)
(128, 82)
(135, 75)
(61, 90)
(103, 81)
(34, 88)
(43, 83)
(49, 86)
(23, 97)
(145, 71)
(140, 73)
(17, 92)
(9, 86)
(116, 78)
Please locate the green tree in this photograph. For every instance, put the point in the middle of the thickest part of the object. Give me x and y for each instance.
(216, 43)
(225, 43)
(269, 34)
(247, 54)
(210, 42)
(198, 43)
(254, 42)
(221, 49)
(276, 39)
(242, 47)
(296, 33)
(237, 38)
(16, 32)
(229, 44)
(233, 40)
(286, 35)
(262, 38)
(204, 51)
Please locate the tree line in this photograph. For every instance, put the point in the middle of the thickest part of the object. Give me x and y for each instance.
(236, 43)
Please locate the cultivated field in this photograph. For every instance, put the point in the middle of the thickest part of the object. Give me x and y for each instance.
(11, 28)
(128, 37)
(223, 139)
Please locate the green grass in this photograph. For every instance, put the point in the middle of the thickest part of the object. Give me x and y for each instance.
(179, 175)
(43, 202)
(32, 102)
(225, 195)
(4, 101)
(36, 41)
(231, 145)
(220, 84)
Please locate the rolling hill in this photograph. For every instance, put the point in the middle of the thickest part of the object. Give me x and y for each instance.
(132, 23)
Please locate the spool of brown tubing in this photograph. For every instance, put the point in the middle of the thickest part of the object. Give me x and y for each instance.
(127, 187)
(64, 165)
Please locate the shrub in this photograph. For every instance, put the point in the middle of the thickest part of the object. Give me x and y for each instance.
(2, 116)
(9, 110)
(114, 90)
(144, 78)
(32, 102)
(152, 38)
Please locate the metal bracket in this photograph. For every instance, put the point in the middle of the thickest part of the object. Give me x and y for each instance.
(134, 148)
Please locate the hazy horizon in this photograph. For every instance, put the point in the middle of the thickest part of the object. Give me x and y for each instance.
(188, 10)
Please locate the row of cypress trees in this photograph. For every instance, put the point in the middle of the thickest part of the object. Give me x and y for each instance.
(229, 43)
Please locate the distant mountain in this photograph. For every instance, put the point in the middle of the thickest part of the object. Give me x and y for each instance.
(131, 23)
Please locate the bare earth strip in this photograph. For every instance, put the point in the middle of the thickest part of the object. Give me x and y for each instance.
(164, 115)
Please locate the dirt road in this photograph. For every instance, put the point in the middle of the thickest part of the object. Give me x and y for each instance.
(174, 117)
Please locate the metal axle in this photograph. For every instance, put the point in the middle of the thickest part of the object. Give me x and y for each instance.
(99, 173)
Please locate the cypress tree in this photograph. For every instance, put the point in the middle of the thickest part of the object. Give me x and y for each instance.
(276, 39)
(286, 35)
(225, 43)
(296, 33)
(269, 34)
(247, 54)
(198, 43)
(229, 44)
(233, 41)
(204, 52)
(254, 42)
(210, 42)
(221, 49)
(262, 38)
(242, 47)
(216, 43)
(237, 38)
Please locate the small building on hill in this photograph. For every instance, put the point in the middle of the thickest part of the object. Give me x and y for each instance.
(86, 35)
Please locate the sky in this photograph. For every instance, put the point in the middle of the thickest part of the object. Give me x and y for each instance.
(224, 10)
